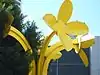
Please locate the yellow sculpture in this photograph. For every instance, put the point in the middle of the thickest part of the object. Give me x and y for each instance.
(63, 28)
(73, 35)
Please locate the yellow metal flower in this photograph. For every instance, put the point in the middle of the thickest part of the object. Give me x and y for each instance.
(53, 52)
(86, 41)
(83, 42)
(64, 29)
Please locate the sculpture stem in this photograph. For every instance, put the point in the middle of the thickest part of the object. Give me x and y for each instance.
(42, 53)
(52, 55)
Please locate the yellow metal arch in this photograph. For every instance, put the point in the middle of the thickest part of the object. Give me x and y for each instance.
(22, 40)
(51, 49)
(47, 61)
(42, 53)
(53, 53)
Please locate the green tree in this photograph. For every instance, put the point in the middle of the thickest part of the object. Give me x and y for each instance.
(13, 7)
(33, 36)
(13, 59)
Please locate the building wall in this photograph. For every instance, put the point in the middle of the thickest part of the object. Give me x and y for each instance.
(95, 57)
(69, 64)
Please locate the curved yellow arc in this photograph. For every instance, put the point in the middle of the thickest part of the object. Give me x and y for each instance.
(84, 57)
(53, 50)
(54, 55)
(49, 50)
(42, 53)
(22, 40)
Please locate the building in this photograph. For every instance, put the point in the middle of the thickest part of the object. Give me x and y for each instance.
(71, 64)
(95, 57)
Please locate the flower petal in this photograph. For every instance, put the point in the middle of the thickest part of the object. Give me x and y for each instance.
(50, 19)
(76, 47)
(77, 28)
(86, 41)
(84, 57)
(65, 11)
(87, 44)
(66, 41)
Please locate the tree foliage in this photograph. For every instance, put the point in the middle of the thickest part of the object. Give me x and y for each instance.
(13, 7)
(33, 36)
(13, 59)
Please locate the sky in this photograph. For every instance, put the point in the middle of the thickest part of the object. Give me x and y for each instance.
(87, 11)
